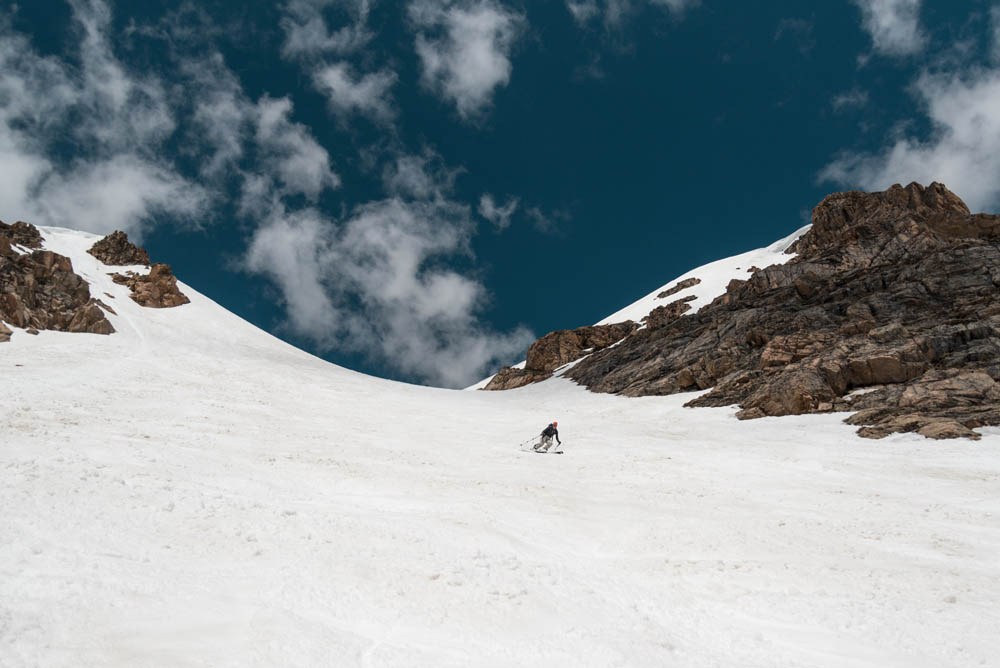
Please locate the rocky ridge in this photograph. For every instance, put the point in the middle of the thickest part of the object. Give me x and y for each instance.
(40, 290)
(890, 309)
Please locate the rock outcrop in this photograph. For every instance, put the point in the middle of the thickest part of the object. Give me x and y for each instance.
(40, 290)
(681, 285)
(158, 289)
(557, 349)
(116, 250)
(21, 234)
(896, 292)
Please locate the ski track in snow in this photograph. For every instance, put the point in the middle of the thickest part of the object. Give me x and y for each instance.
(191, 491)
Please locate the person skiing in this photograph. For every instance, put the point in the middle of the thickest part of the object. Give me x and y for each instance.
(545, 442)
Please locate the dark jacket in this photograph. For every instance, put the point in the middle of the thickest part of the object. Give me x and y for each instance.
(551, 431)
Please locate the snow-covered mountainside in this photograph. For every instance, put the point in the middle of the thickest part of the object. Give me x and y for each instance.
(697, 287)
(191, 491)
(712, 279)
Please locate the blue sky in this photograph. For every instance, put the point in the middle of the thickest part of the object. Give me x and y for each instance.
(419, 189)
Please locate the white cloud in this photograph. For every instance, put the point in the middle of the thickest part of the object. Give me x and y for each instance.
(289, 248)
(894, 25)
(124, 189)
(221, 113)
(498, 215)
(464, 49)
(307, 33)
(419, 177)
(962, 152)
(301, 165)
(116, 120)
(373, 283)
(369, 94)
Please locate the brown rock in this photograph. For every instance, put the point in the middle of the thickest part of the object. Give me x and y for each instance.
(661, 316)
(681, 285)
(509, 378)
(5, 332)
(158, 289)
(22, 234)
(568, 345)
(947, 429)
(40, 290)
(793, 393)
(90, 318)
(116, 250)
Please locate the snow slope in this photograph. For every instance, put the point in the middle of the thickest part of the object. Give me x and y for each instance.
(191, 491)
(714, 278)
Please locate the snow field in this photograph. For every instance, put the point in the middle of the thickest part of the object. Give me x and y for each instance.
(191, 491)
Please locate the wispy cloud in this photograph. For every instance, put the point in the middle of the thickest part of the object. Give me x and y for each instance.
(375, 282)
(546, 222)
(325, 54)
(117, 120)
(464, 49)
(499, 215)
(424, 176)
(894, 25)
(368, 94)
(301, 165)
(800, 31)
(855, 98)
(614, 13)
(307, 33)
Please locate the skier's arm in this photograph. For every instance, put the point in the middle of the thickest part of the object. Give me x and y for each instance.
(557, 437)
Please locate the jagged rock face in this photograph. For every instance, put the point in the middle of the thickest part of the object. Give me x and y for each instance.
(40, 290)
(556, 349)
(158, 289)
(22, 234)
(116, 250)
(896, 291)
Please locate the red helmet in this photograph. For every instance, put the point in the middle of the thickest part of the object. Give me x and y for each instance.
(555, 424)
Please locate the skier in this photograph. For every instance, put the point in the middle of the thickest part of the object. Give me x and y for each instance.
(545, 442)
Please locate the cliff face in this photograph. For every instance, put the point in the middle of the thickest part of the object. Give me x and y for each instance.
(894, 293)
